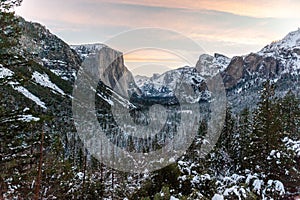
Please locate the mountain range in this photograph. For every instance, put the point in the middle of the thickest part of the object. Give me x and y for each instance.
(39, 88)
(242, 76)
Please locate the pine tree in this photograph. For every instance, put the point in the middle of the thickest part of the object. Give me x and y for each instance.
(290, 115)
(223, 155)
(268, 152)
(9, 30)
(243, 140)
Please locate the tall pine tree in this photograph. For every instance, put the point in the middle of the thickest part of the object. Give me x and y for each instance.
(9, 30)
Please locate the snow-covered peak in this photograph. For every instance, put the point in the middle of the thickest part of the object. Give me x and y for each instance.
(209, 65)
(85, 49)
(166, 84)
(91, 47)
(141, 80)
(291, 40)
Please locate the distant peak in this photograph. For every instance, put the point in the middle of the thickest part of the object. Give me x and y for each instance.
(291, 40)
(96, 46)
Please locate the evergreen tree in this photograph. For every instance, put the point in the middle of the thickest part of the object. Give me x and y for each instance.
(9, 30)
(266, 130)
(290, 115)
(223, 154)
(243, 139)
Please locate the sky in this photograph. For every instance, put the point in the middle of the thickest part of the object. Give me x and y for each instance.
(229, 27)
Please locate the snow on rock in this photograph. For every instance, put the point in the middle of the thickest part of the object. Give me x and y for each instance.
(123, 101)
(277, 185)
(168, 84)
(257, 185)
(43, 80)
(102, 96)
(218, 197)
(28, 118)
(65, 75)
(209, 65)
(28, 94)
(80, 175)
(292, 145)
(173, 198)
(4, 72)
(292, 40)
(109, 101)
(86, 49)
(141, 80)
(235, 190)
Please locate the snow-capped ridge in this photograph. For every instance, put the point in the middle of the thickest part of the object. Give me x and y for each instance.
(290, 41)
(83, 50)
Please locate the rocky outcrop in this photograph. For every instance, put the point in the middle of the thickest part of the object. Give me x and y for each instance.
(38, 43)
(234, 72)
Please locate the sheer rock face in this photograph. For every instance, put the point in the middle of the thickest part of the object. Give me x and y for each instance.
(47, 49)
(250, 66)
(233, 72)
(108, 65)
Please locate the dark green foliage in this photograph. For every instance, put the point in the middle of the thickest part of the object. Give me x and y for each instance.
(243, 139)
(165, 178)
(9, 31)
(290, 115)
(267, 132)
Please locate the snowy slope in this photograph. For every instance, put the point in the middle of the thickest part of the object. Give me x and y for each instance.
(4, 72)
(290, 41)
(28, 94)
(286, 51)
(43, 80)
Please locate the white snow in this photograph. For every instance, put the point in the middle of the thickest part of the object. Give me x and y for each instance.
(28, 94)
(290, 41)
(293, 145)
(109, 101)
(80, 175)
(141, 80)
(105, 99)
(43, 80)
(278, 186)
(232, 190)
(4, 72)
(218, 197)
(168, 83)
(257, 184)
(125, 102)
(26, 109)
(28, 118)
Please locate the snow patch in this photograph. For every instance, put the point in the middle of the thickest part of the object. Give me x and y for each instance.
(28, 94)
(43, 80)
(218, 197)
(28, 118)
(4, 72)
